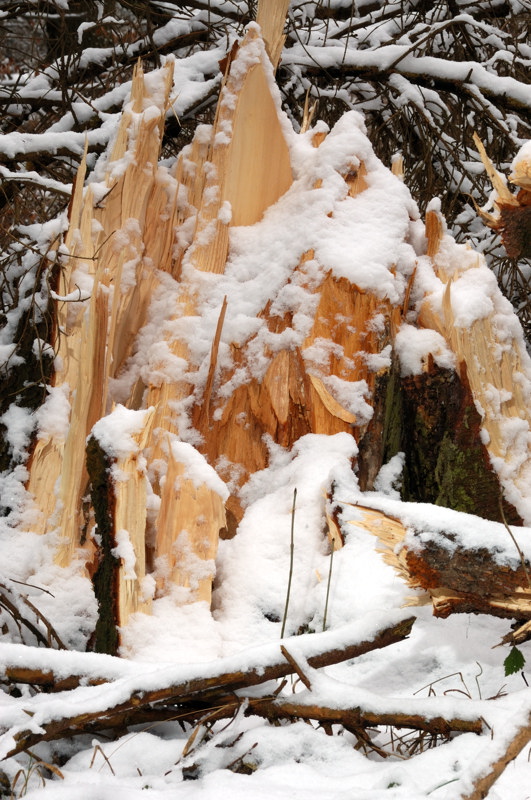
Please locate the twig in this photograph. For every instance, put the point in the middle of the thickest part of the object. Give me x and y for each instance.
(32, 586)
(292, 549)
(511, 534)
(328, 584)
(298, 669)
(207, 394)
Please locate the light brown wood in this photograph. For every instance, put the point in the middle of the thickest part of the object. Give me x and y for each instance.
(298, 395)
(203, 416)
(96, 336)
(521, 174)
(249, 165)
(504, 194)
(46, 460)
(188, 526)
(434, 232)
(271, 16)
(130, 501)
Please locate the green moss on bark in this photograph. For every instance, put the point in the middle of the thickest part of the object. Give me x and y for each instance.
(446, 463)
(432, 419)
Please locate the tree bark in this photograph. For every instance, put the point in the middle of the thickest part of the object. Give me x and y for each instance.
(195, 692)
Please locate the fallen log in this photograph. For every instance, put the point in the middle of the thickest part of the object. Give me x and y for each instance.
(491, 577)
(46, 667)
(501, 754)
(128, 698)
(359, 717)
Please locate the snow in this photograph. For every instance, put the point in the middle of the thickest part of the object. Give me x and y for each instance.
(374, 240)
(18, 424)
(414, 346)
(400, 56)
(53, 417)
(115, 431)
(197, 468)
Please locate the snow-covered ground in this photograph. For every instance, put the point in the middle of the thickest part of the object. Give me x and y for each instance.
(445, 666)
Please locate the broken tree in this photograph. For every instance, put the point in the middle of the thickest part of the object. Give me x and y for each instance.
(266, 285)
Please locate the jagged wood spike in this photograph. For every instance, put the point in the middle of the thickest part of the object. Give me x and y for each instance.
(249, 164)
(188, 525)
(271, 16)
(90, 350)
(130, 503)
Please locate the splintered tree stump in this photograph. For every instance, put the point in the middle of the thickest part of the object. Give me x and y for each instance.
(153, 252)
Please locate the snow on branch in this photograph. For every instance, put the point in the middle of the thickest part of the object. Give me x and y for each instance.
(425, 70)
(90, 708)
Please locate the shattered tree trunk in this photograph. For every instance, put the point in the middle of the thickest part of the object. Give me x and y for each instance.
(143, 228)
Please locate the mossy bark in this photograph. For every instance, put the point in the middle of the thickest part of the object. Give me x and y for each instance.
(445, 461)
(432, 419)
(105, 580)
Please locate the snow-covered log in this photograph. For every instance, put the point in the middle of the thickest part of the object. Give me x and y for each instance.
(460, 574)
(139, 689)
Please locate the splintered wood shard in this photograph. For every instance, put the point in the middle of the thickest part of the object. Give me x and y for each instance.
(497, 369)
(129, 523)
(188, 525)
(249, 167)
(105, 242)
(47, 457)
(513, 212)
(271, 16)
